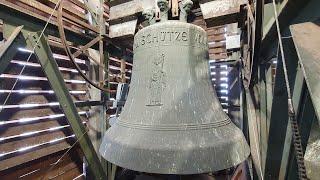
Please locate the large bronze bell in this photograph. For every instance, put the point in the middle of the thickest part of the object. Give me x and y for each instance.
(172, 122)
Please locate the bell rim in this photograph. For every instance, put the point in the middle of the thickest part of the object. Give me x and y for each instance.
(130, 154)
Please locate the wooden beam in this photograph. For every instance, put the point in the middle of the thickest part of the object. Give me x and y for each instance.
(41, 7)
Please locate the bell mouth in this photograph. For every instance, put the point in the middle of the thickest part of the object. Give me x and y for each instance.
(175, 152)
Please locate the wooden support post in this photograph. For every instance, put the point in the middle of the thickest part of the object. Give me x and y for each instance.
(279, 146)
(175, 8)
(263, 114)
(123, 71)
(253, 134)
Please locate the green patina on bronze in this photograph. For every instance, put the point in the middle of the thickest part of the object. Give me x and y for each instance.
(172, 122)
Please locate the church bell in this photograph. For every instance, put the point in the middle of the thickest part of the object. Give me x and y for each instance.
(172, 122)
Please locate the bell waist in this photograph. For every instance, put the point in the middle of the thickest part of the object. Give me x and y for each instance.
(175, 127)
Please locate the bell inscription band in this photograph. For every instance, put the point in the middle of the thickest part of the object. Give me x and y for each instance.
(172, 122)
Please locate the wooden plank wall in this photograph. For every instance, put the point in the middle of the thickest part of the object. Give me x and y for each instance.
(119, 72)
(70, 167)
(32, 123)
(216, 39)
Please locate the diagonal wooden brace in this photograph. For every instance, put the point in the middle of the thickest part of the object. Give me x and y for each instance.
(44, 55)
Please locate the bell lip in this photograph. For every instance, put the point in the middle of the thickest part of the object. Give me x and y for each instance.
(107, 153)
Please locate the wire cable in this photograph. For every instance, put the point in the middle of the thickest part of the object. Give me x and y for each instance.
(291, 111)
